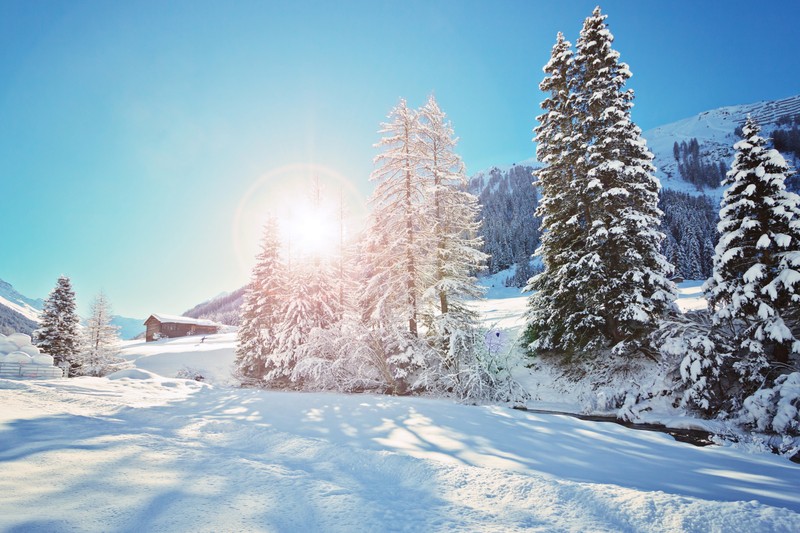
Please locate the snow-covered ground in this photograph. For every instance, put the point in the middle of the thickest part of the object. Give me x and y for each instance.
(141, 452)
(211, 356)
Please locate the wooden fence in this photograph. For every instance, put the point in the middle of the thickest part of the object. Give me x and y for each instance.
(29, 371)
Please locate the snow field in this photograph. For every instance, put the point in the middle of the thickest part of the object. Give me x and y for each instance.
(142, 451)
(157, 454)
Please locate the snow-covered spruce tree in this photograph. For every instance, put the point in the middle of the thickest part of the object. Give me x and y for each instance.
(58, 334)
(261, 312)
(311, 298)
(754, 287)
(617, 278)
(100, 341)
(455, 254)
(625, 273)
(555, 301)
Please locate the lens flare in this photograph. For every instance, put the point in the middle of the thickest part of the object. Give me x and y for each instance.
(309, 225)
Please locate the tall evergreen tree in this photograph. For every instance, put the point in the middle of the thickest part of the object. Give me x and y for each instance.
(554, 303)
(397, 203)
(262, 308)
(58, 334)
(756, 276)
(452, 213)
(625, 273)
(453, 226)
(613, 282)
(100, 343)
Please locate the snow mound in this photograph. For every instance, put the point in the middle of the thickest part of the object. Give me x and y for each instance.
(132, 373)
(17, 357)
(19, 339)
(33, 351)
(43, 359)
(7, 347)
(17, 348)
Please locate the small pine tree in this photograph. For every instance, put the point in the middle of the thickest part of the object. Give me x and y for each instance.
(58, 334)
(100, 342)
(261, 310)
(754, 288)
(311, 299)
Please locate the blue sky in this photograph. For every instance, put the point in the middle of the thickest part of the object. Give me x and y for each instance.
(134, 132)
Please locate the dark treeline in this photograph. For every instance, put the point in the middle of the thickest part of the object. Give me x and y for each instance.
(690, 226)
(508, 200)
(692, 167)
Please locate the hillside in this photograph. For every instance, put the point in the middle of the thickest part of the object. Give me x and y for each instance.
(715, 134)
(17, 312)
(507, 200)
(223, 309)
(690, 196)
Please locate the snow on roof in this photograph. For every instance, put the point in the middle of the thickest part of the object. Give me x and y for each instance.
(175, 319)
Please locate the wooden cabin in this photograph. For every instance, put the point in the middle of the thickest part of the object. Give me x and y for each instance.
(160, 326)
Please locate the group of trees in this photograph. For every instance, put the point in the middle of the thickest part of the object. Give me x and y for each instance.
(787, 140)
(408, 326)
(605, 281)
(605, 285)
(605, 290)
(509, 231)
(87, 351)
(690, 226)
(694, 169)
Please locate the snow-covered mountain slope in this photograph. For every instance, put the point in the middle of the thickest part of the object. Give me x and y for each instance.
(211, 356)
(129, 328)
(17, 312)
(714, 131)
(223, 308)
(27, 307)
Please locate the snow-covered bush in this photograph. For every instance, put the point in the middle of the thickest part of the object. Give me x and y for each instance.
(775, 409)
(690, 341)
(190, 373)
(353, 357)
(471, 370)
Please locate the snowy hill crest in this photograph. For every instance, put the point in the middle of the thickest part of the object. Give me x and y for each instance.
(715, 133)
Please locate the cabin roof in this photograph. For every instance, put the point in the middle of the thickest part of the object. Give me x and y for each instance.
(175, 319)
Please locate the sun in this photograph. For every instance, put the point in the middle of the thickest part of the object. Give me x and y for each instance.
(311, 231)
(311, 226)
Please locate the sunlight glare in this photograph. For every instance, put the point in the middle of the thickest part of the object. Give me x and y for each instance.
(311, 231)
(285, 192)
